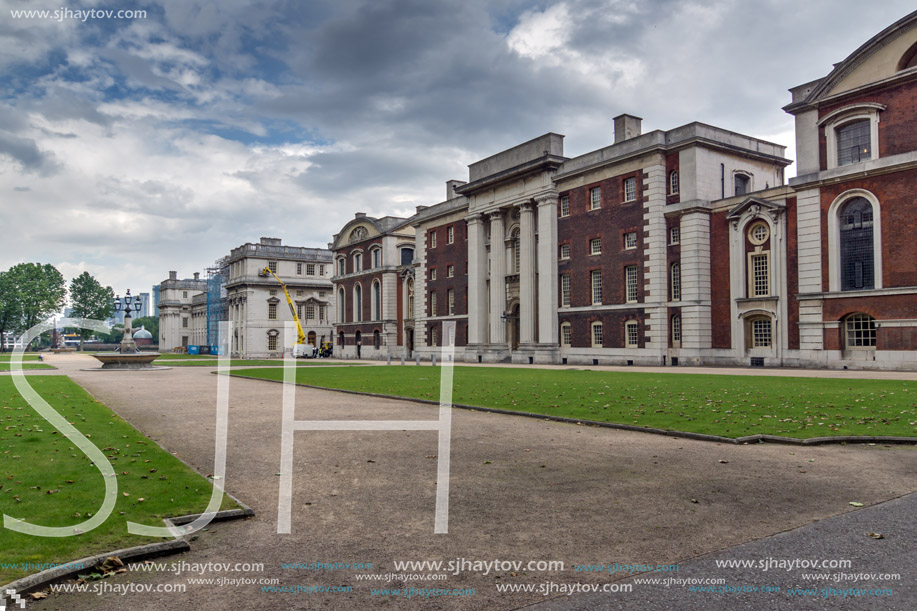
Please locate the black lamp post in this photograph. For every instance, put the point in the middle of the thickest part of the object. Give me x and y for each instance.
(128, 304)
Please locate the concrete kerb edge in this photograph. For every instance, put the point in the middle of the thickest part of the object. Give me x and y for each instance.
(627, 427)
(39, 581)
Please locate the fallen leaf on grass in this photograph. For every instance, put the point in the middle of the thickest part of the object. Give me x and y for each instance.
(855, 504)
(875, 535)
(38, 595)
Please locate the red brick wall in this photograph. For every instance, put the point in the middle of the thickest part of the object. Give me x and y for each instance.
(610, 223)
(440, 258)
(898, 204)
(881, 308)
(720, 310)
(363, 247)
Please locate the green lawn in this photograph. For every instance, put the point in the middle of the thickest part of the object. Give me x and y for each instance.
(211, 362)
(44, 479)
(28, 356)
(730, 406)
(6, 365)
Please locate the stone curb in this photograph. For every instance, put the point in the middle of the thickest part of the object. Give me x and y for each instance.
(629, 427)
(43, 579)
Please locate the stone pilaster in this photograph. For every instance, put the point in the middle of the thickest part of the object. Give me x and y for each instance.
(655, 267)
(696, 327)
(477, 281)
(497, 279)
(547, 269)
(527, 274)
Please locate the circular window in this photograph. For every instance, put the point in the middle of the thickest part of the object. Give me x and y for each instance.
(758, 233)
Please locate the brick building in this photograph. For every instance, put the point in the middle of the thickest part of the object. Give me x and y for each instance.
(373, 286)
(682, 247)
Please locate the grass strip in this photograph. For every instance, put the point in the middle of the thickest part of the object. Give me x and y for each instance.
(729, 406)
(44, 479)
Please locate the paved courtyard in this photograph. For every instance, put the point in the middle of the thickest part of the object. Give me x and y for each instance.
(522, 489)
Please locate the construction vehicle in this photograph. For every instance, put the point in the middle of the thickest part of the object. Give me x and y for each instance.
(300, 349)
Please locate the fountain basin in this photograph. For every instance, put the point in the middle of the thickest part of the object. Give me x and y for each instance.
(117, 360)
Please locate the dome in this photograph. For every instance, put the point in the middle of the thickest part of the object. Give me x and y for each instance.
(143, 334)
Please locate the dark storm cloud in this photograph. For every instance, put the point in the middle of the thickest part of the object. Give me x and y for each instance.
(26, 152)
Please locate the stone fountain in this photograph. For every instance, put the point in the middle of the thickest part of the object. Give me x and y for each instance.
(128, 356)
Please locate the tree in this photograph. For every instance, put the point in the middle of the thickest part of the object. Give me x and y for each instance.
(10, 312)
(90, 300)
(34, 292)
(41, 291)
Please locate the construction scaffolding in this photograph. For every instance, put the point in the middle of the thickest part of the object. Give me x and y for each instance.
(217, 310)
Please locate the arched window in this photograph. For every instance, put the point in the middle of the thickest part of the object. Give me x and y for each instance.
(676, 282)
(341, 311)
(516, 250)
(759, 332)
(377, 339)
(357, 303)
(673, 182)
(377, 301)
(857, 253)
(860, 332)
(341, 338)
(676, 331)
(854, 142)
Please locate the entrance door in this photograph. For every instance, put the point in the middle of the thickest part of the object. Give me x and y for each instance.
(311, 337)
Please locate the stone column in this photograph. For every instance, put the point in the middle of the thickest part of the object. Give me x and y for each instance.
(547, 269)
(527, 274)
(477, 281)
(696, 325)
(497, 278)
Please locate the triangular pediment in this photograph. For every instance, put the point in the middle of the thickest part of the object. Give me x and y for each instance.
(756, 205)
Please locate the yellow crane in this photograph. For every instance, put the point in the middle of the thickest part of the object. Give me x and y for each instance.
(299, 348)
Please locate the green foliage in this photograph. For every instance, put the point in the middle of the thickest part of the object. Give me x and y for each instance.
(729, 406)
(44, 479)
(90, 299)
(30, 293)
(150, 323)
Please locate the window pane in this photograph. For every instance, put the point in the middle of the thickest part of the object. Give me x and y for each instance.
(565, 290)
(630, 189)
(674, 235)
(761, 332)
(630, 240)
(676, 328)
(741, 184)
(565, 206)
(598, 337)
(633, 334)
(596, 287)
(856, 245)
(631, 283)
(595, 246)
(860, 330)
(566, 335)
(595, 198)
(760, 276)
(853, 142)
(676, 282)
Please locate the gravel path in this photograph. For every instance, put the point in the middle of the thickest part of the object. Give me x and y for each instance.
(521, 489)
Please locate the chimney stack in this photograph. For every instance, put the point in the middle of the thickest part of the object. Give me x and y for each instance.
(173, 275)
(626, 127)
(197, 275)
(450, 188)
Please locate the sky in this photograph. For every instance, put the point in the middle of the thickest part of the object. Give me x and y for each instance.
(131, 147)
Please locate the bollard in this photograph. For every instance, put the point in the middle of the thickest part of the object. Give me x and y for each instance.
(390, 359)
(433, 360)
(417, 359)
(402, 359)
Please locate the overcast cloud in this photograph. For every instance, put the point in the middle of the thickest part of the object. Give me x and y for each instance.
(132, 147)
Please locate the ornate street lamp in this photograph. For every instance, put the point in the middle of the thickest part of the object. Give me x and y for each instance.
(128, 304)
